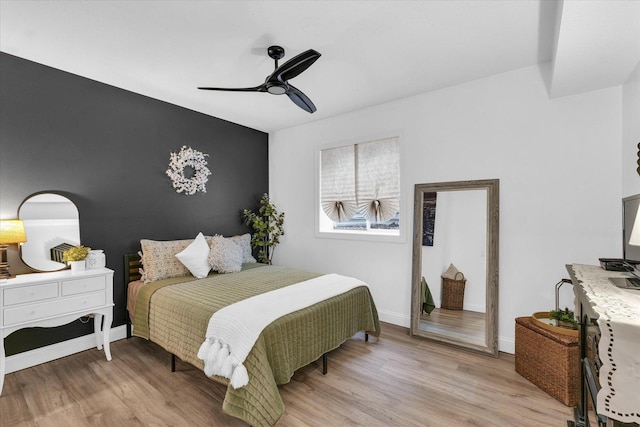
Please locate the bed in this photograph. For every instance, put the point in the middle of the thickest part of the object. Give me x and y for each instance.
(174, 312)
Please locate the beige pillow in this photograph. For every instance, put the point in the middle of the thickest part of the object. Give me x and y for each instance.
(225, 255)
(159, 259)
(451, 273)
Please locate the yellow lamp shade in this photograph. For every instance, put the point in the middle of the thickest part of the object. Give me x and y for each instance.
(634, 238)
(12, 231)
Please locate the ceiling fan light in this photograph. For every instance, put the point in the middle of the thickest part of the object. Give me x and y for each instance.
(276, 90)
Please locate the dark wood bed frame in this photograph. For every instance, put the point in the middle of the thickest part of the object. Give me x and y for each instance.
(132, 265)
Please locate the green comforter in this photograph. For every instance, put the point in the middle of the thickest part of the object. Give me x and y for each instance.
(174, 313)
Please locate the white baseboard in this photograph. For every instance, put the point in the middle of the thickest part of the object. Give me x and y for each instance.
(51, 352)
(394, 318)
(475, 307)
(507, 345)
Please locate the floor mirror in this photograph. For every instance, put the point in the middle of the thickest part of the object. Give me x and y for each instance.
(456, 236)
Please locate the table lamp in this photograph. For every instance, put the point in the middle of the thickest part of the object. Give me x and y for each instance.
(634, 238)
(11, 231)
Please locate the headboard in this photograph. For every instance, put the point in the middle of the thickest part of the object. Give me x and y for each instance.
(132, 265)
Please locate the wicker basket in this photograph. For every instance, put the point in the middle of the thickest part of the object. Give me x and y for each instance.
(549, 360)
(453, 292)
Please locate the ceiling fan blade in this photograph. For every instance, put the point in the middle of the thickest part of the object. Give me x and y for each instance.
(294, 66)
(300, 99)
(261, 88)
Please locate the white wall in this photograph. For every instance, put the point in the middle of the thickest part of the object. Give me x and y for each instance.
(631, 133)
(558, 162)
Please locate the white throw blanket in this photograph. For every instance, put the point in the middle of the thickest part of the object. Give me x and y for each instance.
(234, 329)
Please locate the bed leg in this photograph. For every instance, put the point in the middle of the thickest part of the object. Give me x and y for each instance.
(366, 337)
(128, 330)
(173, 362)
(324, 364)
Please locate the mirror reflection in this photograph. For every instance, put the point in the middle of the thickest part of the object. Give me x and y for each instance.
(455, 263)
(51, 222)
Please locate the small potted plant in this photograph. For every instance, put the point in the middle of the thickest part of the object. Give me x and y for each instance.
(75, 257)
(564, 318)
(268, 226)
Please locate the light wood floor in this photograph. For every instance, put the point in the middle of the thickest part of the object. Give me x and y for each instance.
(466, 325)
(393, 381)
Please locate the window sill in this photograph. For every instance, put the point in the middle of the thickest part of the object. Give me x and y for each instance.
(363, 236)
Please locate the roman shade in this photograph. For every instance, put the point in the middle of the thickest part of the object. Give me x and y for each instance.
(378, 186)
(338, 183)
(361, 178)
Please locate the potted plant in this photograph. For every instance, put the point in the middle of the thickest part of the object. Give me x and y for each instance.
(75, 257)
(564, 318)
(267, 226)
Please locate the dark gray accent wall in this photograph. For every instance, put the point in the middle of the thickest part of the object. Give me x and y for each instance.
(107, 150)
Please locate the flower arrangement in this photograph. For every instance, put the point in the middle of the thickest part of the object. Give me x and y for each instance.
(76, 253)
(188, 157)
(268, 226)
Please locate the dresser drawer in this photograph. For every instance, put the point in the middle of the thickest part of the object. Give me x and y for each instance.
(31, 312)
(81, 286)
(30, 293)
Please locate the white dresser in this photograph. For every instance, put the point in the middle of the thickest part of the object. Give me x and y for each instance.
(54, 299)
(611, 370)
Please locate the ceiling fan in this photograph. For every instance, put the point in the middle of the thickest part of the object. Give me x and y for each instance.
(277, 83)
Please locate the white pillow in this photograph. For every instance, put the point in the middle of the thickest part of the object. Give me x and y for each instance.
(244, 242)
(196, 257)
(225, 255)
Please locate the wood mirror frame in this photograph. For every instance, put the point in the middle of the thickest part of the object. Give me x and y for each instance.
(492, 187)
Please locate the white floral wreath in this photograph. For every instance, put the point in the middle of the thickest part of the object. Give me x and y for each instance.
(192, 158)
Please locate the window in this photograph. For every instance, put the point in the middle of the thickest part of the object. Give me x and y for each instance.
(360, 188)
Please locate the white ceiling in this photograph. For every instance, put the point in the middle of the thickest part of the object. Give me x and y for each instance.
(372, 51)
(598, 45)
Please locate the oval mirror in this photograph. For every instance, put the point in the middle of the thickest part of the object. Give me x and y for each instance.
(51, 223)
(456, 223)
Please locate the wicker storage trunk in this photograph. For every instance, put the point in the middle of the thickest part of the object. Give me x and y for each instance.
(549, 360)
(453, 292)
